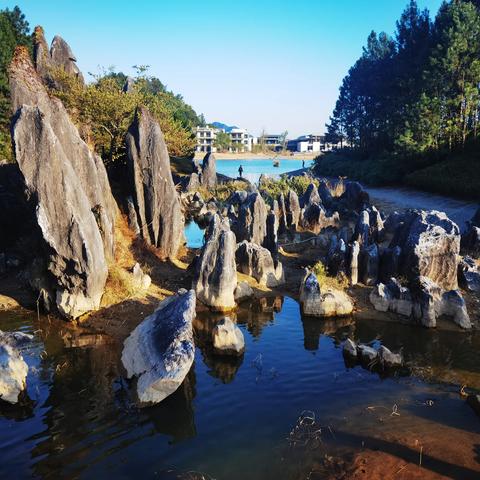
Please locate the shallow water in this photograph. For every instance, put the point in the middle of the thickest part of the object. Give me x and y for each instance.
(231, 419)
(253, 168)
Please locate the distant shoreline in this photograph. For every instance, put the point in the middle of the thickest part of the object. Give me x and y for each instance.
(258, 156)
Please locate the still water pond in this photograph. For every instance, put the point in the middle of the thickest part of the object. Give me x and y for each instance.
(231, 419)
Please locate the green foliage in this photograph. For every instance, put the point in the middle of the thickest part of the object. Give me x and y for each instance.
(222, 142)
(271, 188)
(14, 30)
(417, 92)
(222, 191)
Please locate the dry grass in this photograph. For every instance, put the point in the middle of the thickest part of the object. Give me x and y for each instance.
(340, 282)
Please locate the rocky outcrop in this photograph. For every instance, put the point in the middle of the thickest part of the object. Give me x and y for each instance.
(59, 56)
(424, 304)
(293, 210)
(383, 358)
(243, 292)
(208, 176)
(310, 196)
(252, 220)
(76, 213)
(353, 260)
(430, 244)
(141, 280)
(368, 264)
(271, 238)
(155, 198)
(315, 218)
(282, 215)
(228, 338)
(215, 277)
(257, 261)
(354, 196)
(320, 301)
(469, 275)
(160, 351)
(13, 372)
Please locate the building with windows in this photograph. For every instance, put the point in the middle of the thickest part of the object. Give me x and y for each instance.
(311, 144)
(241, 140)
(272, 140)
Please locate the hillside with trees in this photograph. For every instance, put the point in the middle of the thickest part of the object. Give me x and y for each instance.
(408, 109)
(100, 108)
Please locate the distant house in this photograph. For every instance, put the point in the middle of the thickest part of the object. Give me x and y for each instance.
(311, 143)
(242, 141)
(272, 140)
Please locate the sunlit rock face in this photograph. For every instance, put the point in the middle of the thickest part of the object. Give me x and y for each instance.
(13, 372)
(320, 301)
(208, 171)
(252, 220)
(430, 244)
(257, 262)
(215, 277)
(160, 351)
(75, 212)
(155, 198)
(60, 56)
(227, 338)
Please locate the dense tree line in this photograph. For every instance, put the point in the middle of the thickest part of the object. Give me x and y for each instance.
(415, 92)
(101, 109)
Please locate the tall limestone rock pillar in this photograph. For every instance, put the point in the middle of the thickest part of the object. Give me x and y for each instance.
(155, 198)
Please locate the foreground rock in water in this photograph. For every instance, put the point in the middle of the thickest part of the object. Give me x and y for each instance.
(228, 338)
(74, 206)
(59, 56)
(430, 245)
(424, 305)
(13, 372)
(318, 301)
(156, 200)
(383, 357)
(257, 262)
(215, 277)
(160, 351)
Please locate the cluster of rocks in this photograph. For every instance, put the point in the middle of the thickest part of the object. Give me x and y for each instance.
(61, 191)
(366, 355)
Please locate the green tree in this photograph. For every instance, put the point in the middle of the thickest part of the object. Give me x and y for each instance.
(222, 141)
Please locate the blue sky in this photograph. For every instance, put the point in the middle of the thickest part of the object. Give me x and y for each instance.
(258, 64)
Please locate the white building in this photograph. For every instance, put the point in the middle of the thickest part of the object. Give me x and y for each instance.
(206, 139)
(241, 140)
(311, 143)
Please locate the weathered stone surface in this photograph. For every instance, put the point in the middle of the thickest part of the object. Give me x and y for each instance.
(257, 262)
(208, 176)
(13, 372)
(431, 302)
(376, 222)
(310, 196)
(59, 56)
(243, 292)
(271, 239)
(389, 359)
(129, 85)
(367, 354)
(325, 194)
(293, 210)
(470, 241)
(215, 277)
(132, 216)
(193, 182)
(141, 280)
(15, 339)
(73, 242)
(353, 260)
(354, 196)
(228, 338)
(430, 244)
(469, 275)
(315, 218)
(369, 262)
(282, 215)
(318, 301)
(337, 256)
(389, 263)
(350, 348)
(393, 221)
(252, 220)
(160, 351)
(156, 200)
(392, 297)
(362, 228)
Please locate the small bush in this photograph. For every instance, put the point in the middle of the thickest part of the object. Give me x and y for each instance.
(340, 282)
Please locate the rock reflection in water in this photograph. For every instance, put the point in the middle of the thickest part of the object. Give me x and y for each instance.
(259, 313)
(313, 328)
(222, 367)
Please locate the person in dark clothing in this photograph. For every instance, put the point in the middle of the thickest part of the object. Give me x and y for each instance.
(240, 171)
(303, 163)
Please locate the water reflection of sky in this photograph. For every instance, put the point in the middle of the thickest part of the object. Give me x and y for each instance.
(194, 235)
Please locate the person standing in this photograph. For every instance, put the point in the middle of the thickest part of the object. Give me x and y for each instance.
(303, 163)
(240, 171)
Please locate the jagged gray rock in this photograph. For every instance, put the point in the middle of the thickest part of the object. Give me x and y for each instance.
(430, 244)
(160, 351)
(76, 213)
(208, 176)
(13, 372)
(252, 220)
(293, 210)
(317, 301)
(310, 196)
(368, 264)
(215, 277)
(315, 218)
(257, 261)
(353, 257)
(282, 215)
(392, 297)
(243, 292)
(155, 198)
(469, 274)
(389, 263)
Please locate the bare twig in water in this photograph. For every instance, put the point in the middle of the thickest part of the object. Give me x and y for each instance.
(400, 469)
(421, 452)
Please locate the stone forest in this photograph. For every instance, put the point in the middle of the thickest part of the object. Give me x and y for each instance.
(124, 335)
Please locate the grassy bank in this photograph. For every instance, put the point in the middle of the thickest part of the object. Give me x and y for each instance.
(453, 174)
